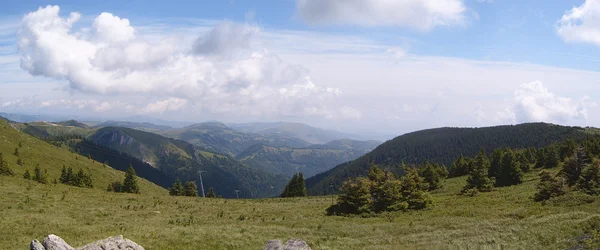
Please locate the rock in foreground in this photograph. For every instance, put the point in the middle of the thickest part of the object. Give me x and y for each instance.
(53, 242)
(293, 244)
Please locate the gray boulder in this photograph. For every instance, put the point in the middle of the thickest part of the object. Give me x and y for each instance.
(112, 243)
(36, 245)
(293, 244)
(53, 242)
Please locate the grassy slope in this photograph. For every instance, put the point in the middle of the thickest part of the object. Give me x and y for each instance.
(504, 218)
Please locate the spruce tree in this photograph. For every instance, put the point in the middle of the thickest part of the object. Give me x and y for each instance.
(355, 197)
(4, 168)
(431, 176)
(550, 186)
(589, 181)
(27, 175)
(291, 188)
(63, 175)
(177, 189)
(130, 183)
(460, 167)
(509, 172)
(495, 162)
(40, 175)
(551, 158)
(478, 175)
(301, 186)
(211, 193)
(413, 190)
(574, 165)
(191, 189)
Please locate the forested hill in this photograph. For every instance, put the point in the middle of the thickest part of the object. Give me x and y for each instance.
(444, 145)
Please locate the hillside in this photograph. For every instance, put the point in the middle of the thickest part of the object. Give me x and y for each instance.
(158, 221)
(444, 145)
(52, 158)
(179, 159)
(218, 137)
(301, 131)
(72, 123)
(310, 160)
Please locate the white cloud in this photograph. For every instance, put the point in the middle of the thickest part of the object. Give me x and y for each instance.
(171, 104)
(220, 72)
(535, 103)
(417, 14)
(581, 24)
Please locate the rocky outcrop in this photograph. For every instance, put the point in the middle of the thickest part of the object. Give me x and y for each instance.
(293, 244)
(53, 242)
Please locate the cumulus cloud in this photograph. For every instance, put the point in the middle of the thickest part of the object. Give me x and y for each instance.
(534, 103)
(417, 14)
(581, 24)
(220, 72)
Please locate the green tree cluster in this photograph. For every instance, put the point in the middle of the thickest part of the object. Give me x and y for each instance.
(81, 179)
(190, 189)
(4, 168)
(433, 174)
(129, 184)
(550, 186)
(295, 187)
(381, 191)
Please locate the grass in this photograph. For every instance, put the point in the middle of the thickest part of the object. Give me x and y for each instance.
(503, 219)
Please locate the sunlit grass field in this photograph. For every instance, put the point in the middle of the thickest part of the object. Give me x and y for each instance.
(504, 219)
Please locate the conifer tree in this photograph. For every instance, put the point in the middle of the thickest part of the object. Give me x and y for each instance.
(16, 153)
(211, 193)
(27, 175)
(301, 186)
(495, 162)
(431, 175)
(413, 190)
(130, 183)
(355, 197)
(296, 187)
(574, 165)
(551, 158)
(4, 168)
(460, 167)
(177, 189)
(509, 172)
(63, 175)
(550, 186)
(191, 189)
(478, 175)
(40, 175)
(589, 181)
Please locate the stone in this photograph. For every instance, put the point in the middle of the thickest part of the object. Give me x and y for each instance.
(53, 242)
(296, 244)
(293, 244)
(112, 243)
(36, 245)
(273, 245)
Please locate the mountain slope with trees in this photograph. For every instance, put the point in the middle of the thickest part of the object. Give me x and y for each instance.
(443, 146)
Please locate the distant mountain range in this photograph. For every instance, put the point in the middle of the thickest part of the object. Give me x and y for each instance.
(257, 164)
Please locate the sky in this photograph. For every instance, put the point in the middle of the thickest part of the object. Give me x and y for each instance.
(361, 66)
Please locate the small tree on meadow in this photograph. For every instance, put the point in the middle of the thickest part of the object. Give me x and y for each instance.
(211, 193)
(478, 175)
(176, 189)
(130, 184)
(40, 175)
(589, 181)
(4, 168)
(550, 186)
(551, 157)
(296, 187)
(355, 197)
(413, 190)
(574, 165)
(432, 175)
(191, 189)
(460, 167)
(495, 162)
(509, 172)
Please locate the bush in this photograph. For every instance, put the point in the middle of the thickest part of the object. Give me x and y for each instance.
(550, 186)
(115, 186)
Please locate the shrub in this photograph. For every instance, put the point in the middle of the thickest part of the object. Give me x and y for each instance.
(115, 186)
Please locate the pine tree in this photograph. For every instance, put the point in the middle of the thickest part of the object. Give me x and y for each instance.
(574, 165)
(4, 168)
(495, 162)
(130, 183)
(27, 175)
(355, 197)
(211, 193)
(413, 190)
(523, 161)
(177, 189)
(431, 176)
(509, 172)
(460, 167)
(63, 175)
(301, 186)
(551, 158)
(295, 187)
(191, 189)
(589, 181)
(478, 175)
(40, 175)
(549, 186)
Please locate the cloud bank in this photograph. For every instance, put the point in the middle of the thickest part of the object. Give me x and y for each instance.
(416, 14)
(221, 72)
(581, 24)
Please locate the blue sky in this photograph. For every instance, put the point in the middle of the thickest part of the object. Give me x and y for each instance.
(350, 65)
